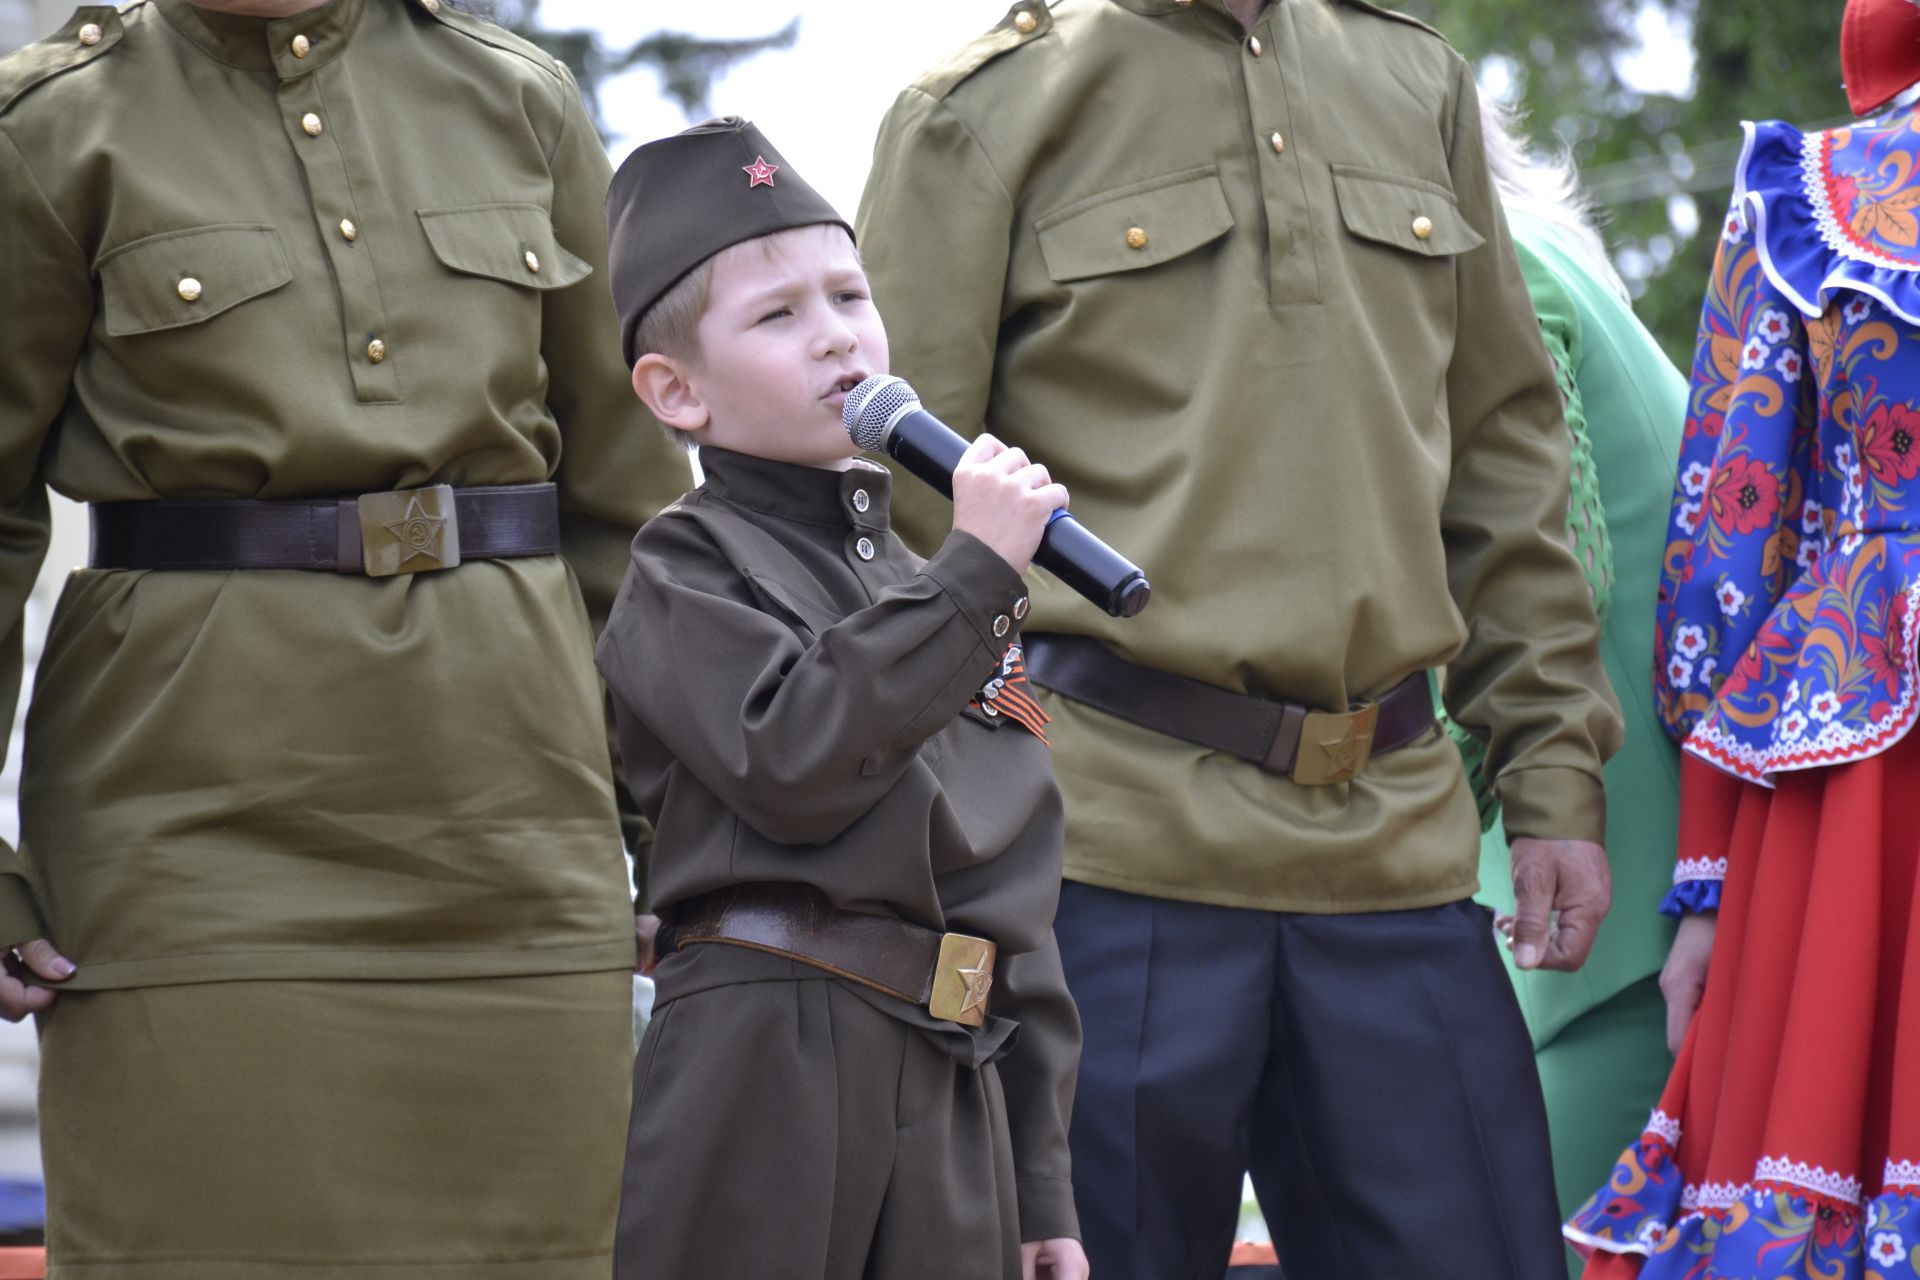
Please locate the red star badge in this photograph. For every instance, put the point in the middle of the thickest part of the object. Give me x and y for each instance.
(759, 173)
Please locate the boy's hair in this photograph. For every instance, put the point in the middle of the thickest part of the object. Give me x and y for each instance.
(671, 326)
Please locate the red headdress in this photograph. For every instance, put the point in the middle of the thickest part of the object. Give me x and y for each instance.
(1879, 51)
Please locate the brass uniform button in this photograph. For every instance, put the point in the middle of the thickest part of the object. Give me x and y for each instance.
(1001, 625)
(532, 260)
(1279, 143)
(302, 46)
(1024, 22)
(1422, 227)
(189, 289)
(311, 123)
(91, 34)
(376, 351)
(1136, 238)
(1253, 46)
(347, 230)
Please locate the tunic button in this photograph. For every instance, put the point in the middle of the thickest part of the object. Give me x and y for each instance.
(431, 6)
(1001, 625)
(860, 500)
(302, 46)
(1422, 227)
(189, 289)
(532, 260)
(311, 123)
(347, 230)
(1253, 45)
(91, 34)
(1024, 22)
(1279, 143)
(864, 548)
(1136, 238)
(990, 709)
(1020, 608)
(376, 351)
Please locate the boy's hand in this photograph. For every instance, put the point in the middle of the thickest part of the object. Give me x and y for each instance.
(1058, 1259)
(1004, 500)
(17, 999)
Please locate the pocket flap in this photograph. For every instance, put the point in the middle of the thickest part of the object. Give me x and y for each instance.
(810, 613)
(1138, 226)
(183, 277)
(1393, 210)
(509, 242)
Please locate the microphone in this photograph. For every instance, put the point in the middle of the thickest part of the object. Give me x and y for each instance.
(883, 415)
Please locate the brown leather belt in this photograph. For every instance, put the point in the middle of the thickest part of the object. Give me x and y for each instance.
(1311, 747)
(378, 534)
(948, 973)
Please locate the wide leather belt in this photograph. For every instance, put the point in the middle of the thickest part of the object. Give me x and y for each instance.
(378, 534)
(1311, 747)
(949, 974)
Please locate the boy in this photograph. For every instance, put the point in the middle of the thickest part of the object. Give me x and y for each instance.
(852, 800)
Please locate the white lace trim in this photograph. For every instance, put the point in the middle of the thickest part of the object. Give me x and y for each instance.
(1835, 1186)
(1662, 1124)
(1813, 181)
(1711, 1196)
(1698, 869)
(1835, 744)
(1905, 1173)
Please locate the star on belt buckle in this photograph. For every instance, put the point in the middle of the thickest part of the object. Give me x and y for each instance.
(1335, 745)
(961, 979)
(409, 531)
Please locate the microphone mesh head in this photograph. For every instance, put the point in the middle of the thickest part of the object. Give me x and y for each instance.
(874, 406)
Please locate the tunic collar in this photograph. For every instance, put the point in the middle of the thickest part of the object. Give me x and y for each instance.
(268, 44)
(1162, 8)
(857, 498)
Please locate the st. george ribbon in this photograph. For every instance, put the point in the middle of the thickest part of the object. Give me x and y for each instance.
(883, 415)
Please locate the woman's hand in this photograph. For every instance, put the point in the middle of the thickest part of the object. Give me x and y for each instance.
(1004, 500)
(1058, 1259)
(17, 999)
(1684, 978)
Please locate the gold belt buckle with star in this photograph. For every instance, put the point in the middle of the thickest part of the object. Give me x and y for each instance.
(1335, 745)
(409, 531)
(962, 977)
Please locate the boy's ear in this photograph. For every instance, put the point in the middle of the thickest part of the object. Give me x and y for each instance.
(662, 385)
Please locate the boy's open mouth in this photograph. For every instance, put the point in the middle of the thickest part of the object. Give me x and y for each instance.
(840, 388)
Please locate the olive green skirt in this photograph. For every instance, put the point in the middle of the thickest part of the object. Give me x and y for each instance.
(451, 1130)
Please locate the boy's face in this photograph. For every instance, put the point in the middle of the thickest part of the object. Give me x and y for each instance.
(790, 328)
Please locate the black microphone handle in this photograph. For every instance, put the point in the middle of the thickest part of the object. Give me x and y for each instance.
(1067, 550)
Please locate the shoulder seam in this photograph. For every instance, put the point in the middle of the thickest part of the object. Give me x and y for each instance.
(941, 105)
(533, 55)
(41, 191)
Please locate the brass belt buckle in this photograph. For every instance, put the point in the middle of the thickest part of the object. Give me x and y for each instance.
(1335, 746)
(409, 531)
(961, 979)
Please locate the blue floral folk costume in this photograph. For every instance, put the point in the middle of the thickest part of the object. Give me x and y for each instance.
(1786, 642)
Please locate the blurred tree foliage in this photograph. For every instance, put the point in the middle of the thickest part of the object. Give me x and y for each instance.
(1659, 167)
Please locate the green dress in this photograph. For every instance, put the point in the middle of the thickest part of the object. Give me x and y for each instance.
(1600, 1034)
(339, 858)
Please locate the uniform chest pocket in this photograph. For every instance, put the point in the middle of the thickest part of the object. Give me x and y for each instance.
(1137, 226)
(812, 615)
(1405, 213)
(184, 277)
(512, 243)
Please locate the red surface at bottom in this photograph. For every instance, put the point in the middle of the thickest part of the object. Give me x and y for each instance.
(23, 1264)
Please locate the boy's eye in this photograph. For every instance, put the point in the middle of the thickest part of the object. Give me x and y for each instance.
(850, 295)
(775, 314)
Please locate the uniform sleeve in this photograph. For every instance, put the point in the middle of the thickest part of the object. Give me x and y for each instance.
(46, 304)
(800, 740)
(934, 228)
(1529, 680)
(1038, 1079)
(617, 468)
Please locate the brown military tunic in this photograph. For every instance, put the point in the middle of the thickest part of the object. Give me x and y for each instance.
(815, 727)
(353, 250)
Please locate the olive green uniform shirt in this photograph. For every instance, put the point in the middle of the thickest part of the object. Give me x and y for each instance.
(821, 724)
(1250, 296)
(390, 216)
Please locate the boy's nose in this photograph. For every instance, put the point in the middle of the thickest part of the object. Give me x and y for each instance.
(834, 337)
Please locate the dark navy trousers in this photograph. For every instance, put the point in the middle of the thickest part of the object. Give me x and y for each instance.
(1372, 1072)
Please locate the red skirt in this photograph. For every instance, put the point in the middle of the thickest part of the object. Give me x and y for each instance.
(1787, 1143)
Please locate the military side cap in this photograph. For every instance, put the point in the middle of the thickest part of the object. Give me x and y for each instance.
(677, 201)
